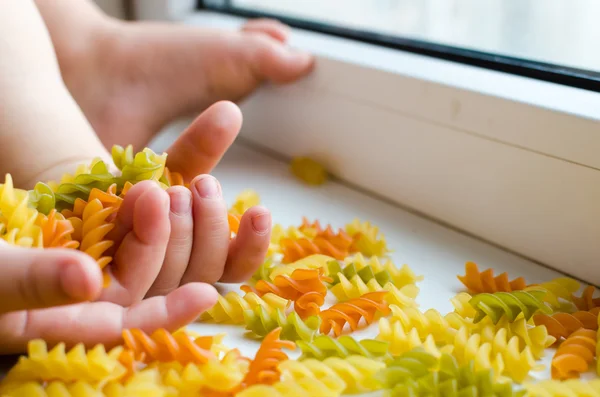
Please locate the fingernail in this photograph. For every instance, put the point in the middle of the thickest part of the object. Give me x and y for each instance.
(73, 281)
(208, 187)
(181, 201)
(261, 223)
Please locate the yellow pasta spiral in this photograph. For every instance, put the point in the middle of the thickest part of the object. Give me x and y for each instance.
(356, 287)
(431, 322)
(95, 366)
(503, 354)
(230, 308)
(368, 239)
(317, 261)
(402, 341)
(568, 388)
(244, 201)
(357, 372)
(18, 221)
(305, 387)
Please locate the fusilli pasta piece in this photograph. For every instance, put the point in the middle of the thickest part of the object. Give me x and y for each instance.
(305, 387)
(294, 250)
(144, 165)
(95, 366)
(574, 355)
(561, 325)
(42, 198)
(402, 341)
(586, 301)
(79, 186)
(56, 230)
(170, 178)
(349, 271)
(260, 322)
(478, 282)
(17, 220)
(509, 304)
(244, 201)
(324, 346)
(357, 372)
(354, 288)
(164, 346)
(314, 262)
(368, 240)
(264, 369)
(399, 276)
(367, 306)
(559, 293)
(431, 322)
(568, 388)
(230, 308)
(503, 354)
(308, 171)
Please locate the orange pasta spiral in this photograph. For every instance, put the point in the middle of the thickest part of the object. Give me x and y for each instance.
(56, 230)
(234, 222)
(294, 250)
(165, 347)
(574, 355)
(484, 282)
(263, 369)
(173, 178)
(562, 325)
(91, 225)
(340, 240)
(109, 198)
(306, 287)
(586, 301)
(351, 311)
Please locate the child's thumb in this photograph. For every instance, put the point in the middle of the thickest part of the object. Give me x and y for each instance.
(35, 278)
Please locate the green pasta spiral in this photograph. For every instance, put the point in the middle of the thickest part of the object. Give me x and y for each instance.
(509, 304)
(80, 187)
(349, 271)
(42, 198)
(260, 322)
(144, 165)
(324, 346)
(418, 373)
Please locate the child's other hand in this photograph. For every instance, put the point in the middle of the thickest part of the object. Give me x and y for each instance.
(168, 239)
(41, 293)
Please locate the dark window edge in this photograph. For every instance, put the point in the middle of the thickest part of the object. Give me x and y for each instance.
(568, 76)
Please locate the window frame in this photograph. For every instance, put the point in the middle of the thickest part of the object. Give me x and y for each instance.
(532, 143)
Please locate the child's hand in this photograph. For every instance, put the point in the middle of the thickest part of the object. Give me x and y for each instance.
(167, 239)
(33, 281)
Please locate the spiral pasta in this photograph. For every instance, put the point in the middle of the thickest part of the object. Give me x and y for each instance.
(96, 366)
(509, 304)
(349, 271)
(170, 178)
(419, 374)
(56, 230)
(108, 198)
(264, 369)
(478, 282)
(503, 354)
(324, 346)
(561, 325)
(351, 312)
(230, 308)
(314, 262)
(294, 250)
(399, 276)
(164, 347)
(308, 171)
(355, 287)
(305, 387)
(224, 376)
(17, 220)
(260, 322)
(357, 372)
(368, 240)
(568, 388)
(559, 293)
(144, 165)
(244, 201)
(586, 301)
(90, 227)
(574, 355)
(42, 198)
(401, 341)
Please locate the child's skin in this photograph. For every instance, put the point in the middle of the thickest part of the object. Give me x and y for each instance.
(129, 80)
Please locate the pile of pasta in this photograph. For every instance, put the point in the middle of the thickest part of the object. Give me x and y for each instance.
(316, 289)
